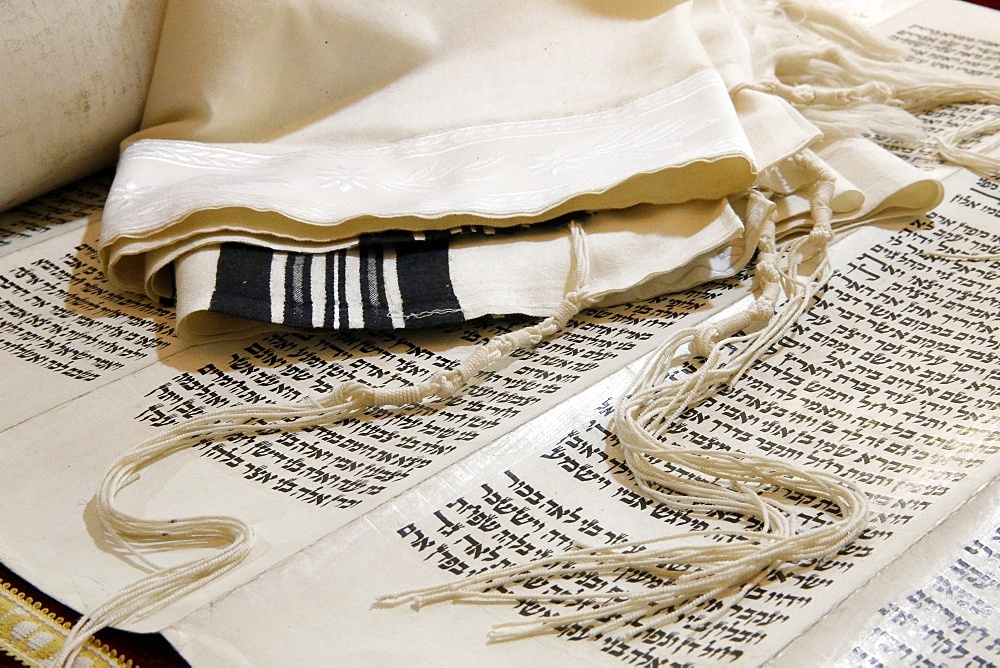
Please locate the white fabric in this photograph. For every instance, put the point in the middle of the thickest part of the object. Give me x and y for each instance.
(787, 178)
(380, 115)
(171, 195)
(888, 187)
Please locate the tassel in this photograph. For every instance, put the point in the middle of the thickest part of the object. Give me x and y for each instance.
(695, 571)
(231, 538)
(851, 83)
(978, 162)
(832, 25)
(869, 120)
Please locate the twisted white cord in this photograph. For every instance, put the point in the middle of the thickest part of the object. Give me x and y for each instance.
(979, 161)
(696, 571)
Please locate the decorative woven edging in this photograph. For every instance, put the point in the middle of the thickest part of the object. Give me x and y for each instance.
(33, 635)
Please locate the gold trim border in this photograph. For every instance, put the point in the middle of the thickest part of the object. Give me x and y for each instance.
(33, 635)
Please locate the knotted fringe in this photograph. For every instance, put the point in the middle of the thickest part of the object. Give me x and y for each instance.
(866, 89)
(231, 538)
(851, 83)
(857, 84)
(702, 566)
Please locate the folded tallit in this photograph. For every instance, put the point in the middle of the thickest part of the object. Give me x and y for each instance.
(424, 128)
(433, 277)
(406, 121)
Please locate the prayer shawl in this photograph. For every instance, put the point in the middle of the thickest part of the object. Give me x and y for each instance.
(380, 164)
(424, 129)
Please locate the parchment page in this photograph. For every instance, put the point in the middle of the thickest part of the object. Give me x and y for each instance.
(890, 380)
(53, 214)
(63, 330)
(98, 371)
(939, 604)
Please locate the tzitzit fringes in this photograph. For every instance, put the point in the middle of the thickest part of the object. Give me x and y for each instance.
(231, 538)
(849, 82)
(978, 162)
(165, 585)
(805, 95)
(695, 567)
(832, 25)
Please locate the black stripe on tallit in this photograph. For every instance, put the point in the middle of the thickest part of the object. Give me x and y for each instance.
(336, 291)
(298, 290)
(425, 283)
(374, 304)
(243, 281)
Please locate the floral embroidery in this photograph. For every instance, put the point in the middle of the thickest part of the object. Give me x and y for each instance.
(500, 170)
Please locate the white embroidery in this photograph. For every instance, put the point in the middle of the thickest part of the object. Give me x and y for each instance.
(343, 178)
(500, 170)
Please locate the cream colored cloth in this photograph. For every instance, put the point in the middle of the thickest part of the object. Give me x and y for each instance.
(873, 185)
(354, 118)
(170, 197)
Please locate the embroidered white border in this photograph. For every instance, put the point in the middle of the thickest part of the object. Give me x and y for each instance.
(498, 170)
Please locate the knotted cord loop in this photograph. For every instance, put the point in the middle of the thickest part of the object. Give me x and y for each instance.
(978, 162)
